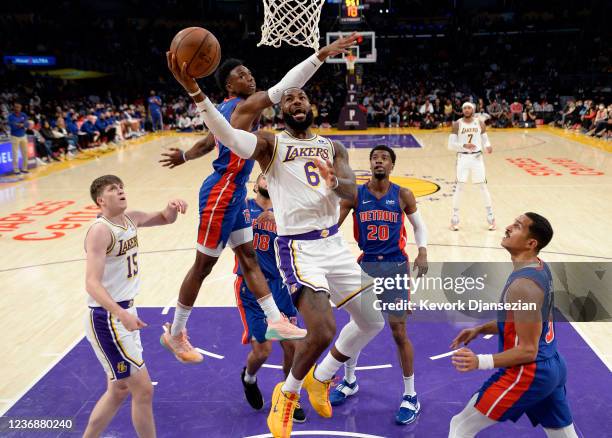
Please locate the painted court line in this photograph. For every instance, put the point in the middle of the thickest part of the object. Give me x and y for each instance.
(364, 368)
(440, 356)
(321, 433)
(208, 353)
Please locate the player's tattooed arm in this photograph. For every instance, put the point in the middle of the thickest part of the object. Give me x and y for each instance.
(339, 176)
(164, 217)
(175, 157)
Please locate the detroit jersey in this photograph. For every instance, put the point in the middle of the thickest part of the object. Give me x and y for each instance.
(470, 133)
(547, 345)
(228, 163)
(264, 235)
(301, 198)
(120, 277)
(378, 225)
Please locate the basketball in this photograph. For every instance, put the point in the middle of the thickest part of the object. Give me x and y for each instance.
(199, 48)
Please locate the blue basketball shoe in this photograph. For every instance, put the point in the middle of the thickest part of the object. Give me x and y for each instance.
(341, 392)
(408, 411)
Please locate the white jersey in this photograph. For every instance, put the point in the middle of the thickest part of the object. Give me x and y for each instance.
(301, 199)
(120, 278)
(470, 133)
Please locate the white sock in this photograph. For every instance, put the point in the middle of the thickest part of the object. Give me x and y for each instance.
(409, 386)
(249, 378)
(349, 369)
(268, 305)
(457, 197)
(181, 315)
(292, 384)
(327, 368)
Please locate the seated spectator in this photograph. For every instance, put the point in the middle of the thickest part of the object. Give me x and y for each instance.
(495, 111)
(448, 111)
(516, 112)
(197, 122)
(44, 151)
(268, 115)
(88, 133)
(184, 123)
(600, 124)
(393, 116)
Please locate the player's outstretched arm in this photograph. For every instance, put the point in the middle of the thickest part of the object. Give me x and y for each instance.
(175, 157)
(97, 242)
(409, 205)
(244, 144)
(339, 176)
(167, 216)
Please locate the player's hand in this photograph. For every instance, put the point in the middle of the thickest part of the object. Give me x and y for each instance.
(489, 149)
(130, 321)
(267, 217)
(420, 264)
(173, 158)
(327, 171)
(180, 73)
(178, 205)
(464, 337)
(338, 46)
(469, 146)
(465, 360)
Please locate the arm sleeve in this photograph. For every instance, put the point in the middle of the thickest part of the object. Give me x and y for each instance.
(420, 229)
(240, 142)
(485, 140)
(453, 143)
(295, 78)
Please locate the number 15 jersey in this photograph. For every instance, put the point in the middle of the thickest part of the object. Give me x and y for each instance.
(302, 201)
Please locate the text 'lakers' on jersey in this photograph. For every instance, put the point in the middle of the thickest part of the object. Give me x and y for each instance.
(264, 235)
(302, 201)
(547, 345)
(470, 133)
(378, 225)
(120, 278)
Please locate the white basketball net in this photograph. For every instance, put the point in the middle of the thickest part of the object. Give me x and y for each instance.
(294, 21)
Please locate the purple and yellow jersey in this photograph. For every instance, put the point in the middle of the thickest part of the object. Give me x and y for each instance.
(378, 225)
(228, 163)
(547, 345)
(264, 235)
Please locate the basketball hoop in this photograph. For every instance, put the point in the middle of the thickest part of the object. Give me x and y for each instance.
(295, 22)
(350, 60)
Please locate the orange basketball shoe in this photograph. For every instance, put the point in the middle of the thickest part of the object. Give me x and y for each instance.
(180, 346)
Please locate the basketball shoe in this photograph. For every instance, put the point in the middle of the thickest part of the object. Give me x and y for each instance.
(343, 391)
(283, 330)
(180, 346)
(280, 419)
(318, 394)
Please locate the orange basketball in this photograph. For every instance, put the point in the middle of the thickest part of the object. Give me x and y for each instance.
(199, 48)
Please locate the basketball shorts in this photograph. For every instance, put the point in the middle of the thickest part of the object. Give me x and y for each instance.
(118, 350)
(471, 164)
(394, 296)
(324, 264)
(224, 215)
(252, 315)
(536, 389)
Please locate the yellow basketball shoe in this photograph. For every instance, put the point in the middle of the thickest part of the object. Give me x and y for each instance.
(280, 419)
(318, 393)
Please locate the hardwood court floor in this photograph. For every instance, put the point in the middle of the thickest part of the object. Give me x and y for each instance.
(42, 271)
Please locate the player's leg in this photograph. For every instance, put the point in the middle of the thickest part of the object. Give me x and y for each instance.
(469, 421)
(348, 386)
(462, 176)
(106, 408)
(141, 388)
(479, 178)
(564, 432)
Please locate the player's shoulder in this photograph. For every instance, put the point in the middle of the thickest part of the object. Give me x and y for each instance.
(100, 234)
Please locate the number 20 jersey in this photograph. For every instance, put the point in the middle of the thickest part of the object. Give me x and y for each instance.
(302, 201)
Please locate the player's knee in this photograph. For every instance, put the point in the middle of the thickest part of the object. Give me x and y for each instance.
(325, 332)
(203, 265)
(262, 351)
(399, 333)
(143, 393)
(119, 390)
(246, 256)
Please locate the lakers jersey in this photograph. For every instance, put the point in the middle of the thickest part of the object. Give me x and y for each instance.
(470, 133)
(120, 278)
(302, 201)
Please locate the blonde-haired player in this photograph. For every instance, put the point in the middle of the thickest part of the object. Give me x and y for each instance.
(112, 323)
(468, 138)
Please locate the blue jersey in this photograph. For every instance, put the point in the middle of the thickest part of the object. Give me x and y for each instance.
(228, 163)
(378, 225)
(264, 235)
(547, 345)
(154, 103)
(18, 124)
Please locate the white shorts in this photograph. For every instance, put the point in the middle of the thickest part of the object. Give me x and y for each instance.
(324, 264)
(118, 350)
(471, 163)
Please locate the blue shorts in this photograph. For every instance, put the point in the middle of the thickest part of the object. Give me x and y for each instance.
(253, 317)
(393, 294)
(536, 389)
(224, 215)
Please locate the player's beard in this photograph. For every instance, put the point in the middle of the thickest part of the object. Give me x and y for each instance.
(263, 192)
(380, 175)
(298, 126)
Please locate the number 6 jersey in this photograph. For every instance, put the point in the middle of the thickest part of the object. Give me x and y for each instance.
(120, 278)
(302, 201)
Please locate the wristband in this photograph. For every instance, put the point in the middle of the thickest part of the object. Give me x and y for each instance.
(195, 93)
(184, 156)
(485, 362)
(337, 183)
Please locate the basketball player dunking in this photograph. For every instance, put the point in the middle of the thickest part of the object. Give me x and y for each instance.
(532, 374)
(222, 200)
(378, 220)
(253, 318)
(468, 138)
(112, 282)
(314, 260)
